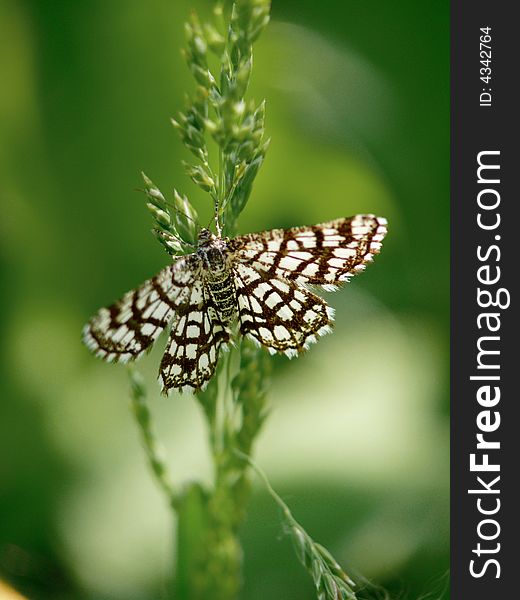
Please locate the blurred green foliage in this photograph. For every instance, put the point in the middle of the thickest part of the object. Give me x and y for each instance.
(358, 112)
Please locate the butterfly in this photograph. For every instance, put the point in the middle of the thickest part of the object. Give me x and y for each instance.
(259, 285)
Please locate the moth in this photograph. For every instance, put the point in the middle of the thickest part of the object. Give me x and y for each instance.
(260, 285)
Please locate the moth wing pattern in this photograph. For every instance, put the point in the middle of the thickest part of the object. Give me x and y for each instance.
(271, 275)
(279, 314)
(192, 352)
(129, 327)
(325, 255)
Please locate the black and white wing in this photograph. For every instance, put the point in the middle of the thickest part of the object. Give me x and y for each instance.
(270, 273)
(125, 330)
(195, 340)
(279, 314)
(325, 255)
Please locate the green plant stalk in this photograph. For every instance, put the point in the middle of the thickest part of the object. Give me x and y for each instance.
(234, 408)
(225, 507)
(209, 554)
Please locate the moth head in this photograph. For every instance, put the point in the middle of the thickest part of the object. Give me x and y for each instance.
(205, 236)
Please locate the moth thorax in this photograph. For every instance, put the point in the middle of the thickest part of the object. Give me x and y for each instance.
(215, 261)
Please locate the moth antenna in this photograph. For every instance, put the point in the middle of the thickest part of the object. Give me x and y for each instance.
(217, 222)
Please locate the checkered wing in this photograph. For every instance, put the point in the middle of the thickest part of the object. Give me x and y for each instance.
(195, 340)
(325, 255)
(279, 314)
(125, 330)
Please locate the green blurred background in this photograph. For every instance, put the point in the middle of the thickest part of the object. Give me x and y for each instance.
(357, 442)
